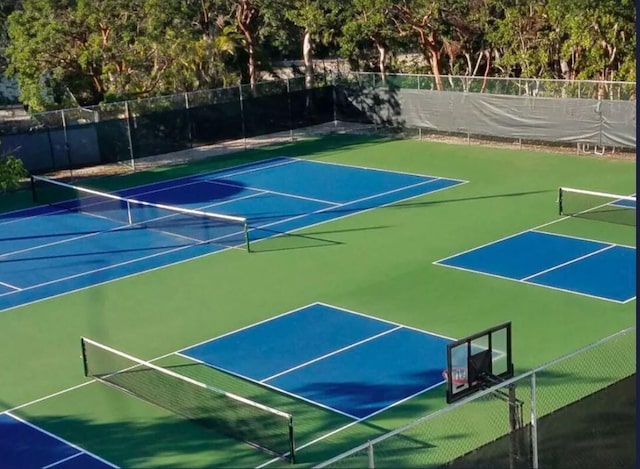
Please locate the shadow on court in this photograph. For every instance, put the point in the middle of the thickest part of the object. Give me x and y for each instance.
(463, 199)
(283, 241)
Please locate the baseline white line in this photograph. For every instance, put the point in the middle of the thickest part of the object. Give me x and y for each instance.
(385, 320)
(555, 267)
(41, 430)
(333, 163)
(330, 354)
(253, 170)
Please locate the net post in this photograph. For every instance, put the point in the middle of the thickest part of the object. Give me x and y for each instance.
(246, 236)
(84, 357)
(129, 216)
(292, 442)
(560, 201)
(370, 456)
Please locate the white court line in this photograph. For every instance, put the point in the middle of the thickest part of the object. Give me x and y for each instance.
(368, 168)
(488, 274)
(41, 430)
(357, 421)
(73, 456)
(330, 354)
(8, 285)
(269, 191)
(583, 239)
(384, 320)
(265, 385)
(524, 279)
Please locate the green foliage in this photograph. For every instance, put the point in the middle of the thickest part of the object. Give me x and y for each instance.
(64, 52)
(12, 171)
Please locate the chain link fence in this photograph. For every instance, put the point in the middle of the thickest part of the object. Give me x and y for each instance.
(549, 417)
(534, 87)
(124, 134)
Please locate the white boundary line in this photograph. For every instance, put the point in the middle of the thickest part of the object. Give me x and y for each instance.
(359, 420)
(374, 169)
(577, 259)
(8, 285)
(583, 239)
(265, 385)
(330, 354)
(41, 430)
(221, 182)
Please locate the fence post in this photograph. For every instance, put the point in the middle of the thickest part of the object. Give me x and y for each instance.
(67, 149)
(534, 423)
(187, 114)
(129, 138)
(244, 128)
(335, 97)
(289, 107)
(370, 456)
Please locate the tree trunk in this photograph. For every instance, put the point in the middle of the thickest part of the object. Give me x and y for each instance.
(246, 13)
(382, 60)
(486, 71)
(434, 61)
(308, 60)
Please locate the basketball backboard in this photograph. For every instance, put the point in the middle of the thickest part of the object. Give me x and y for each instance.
(478, 361)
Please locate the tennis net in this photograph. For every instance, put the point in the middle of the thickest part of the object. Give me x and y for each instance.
(265, 428)
(597, 206)
(193, 225)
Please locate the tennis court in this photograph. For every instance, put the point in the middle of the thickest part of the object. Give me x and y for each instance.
(97, 244)
(367, 257)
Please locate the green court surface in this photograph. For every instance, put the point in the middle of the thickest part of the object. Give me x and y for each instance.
(379, 262)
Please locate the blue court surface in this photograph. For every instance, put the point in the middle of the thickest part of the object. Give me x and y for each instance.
(350, 363)
(582, 266)
(23, 445)
(47, 251)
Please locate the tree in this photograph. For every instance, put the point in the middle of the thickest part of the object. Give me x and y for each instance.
(368, 24)
(115, 49)
(598, 38)
(318, 21)
(422, 19)
(12, 170)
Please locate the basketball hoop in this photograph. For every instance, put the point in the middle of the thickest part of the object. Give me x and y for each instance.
(458, 376)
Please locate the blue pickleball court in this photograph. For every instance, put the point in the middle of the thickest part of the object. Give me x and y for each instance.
(24, 445)
(350, 363)
(587, 267)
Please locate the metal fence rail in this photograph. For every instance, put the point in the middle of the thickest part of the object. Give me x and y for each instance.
(453, 434)
(534, 87)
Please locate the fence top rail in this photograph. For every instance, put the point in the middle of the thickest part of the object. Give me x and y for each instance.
(473, 397)
(510, 79)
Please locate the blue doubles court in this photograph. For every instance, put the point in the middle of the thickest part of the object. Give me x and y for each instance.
(341, 360)
(583, 266)
(48, 251)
